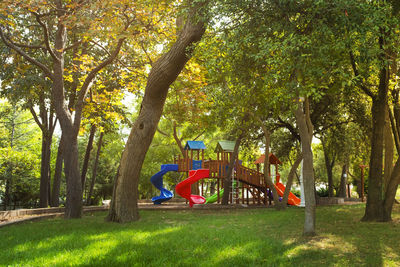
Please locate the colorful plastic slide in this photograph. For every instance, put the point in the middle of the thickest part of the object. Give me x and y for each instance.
(184, 188)
(292, 200)
(213, 198)
(157, 181)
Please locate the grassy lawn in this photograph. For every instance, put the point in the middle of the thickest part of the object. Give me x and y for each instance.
(259, 237)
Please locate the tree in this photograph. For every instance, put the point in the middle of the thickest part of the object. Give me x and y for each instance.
(373, 51)
(163, 73)
(19, 87)
(69, 36)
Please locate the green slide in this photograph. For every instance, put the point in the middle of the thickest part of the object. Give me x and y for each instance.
(213, 198)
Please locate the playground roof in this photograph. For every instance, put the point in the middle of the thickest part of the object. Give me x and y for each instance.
(225, 146)
(195, 145)
(272, 159)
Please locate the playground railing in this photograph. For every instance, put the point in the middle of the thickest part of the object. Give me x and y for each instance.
(249, 176)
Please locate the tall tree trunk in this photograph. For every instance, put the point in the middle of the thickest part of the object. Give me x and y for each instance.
(44, 170)
(55, 194)
(85, 164)
(89, 200)
(392, 175)
(73, 205)
(389, 149)
(306, 132)
(164, 72)
(343, 182)
(289, 182)
(46, 124)
(373, 209)
(390, 192)
(7, 194)
(228, 177)
(329, 163)
(267, 177)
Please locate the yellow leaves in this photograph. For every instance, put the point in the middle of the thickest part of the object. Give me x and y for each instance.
(69, 78)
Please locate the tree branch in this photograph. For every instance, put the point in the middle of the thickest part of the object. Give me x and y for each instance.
(357, 74)
(178, 141)
(199, 135)
(162, 132)
(92, 74)
(147, 55)
(108, 53)
(74, 45)
(30, 59)
(46, 35)
(30, 46)
(290, 127)
(35, 117)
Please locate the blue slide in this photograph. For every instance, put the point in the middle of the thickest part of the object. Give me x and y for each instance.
(157, 181)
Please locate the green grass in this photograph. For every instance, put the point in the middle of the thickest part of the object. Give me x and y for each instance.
(259, 237)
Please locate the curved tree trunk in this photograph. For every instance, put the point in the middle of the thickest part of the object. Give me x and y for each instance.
(267, 177)
(390, 193)
(164, 72)
(291, 175)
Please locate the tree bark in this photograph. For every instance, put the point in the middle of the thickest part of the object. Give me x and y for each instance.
(389, 150)
(44, 170)
(373, 209)
(178, 141)
(164, 72)
(291, 175)
(306, 131)
(343, 182)
(46, 124)
(329, 163)
(85, 164)
(267, 177)
(228, 177)
(55, 194)
(89, 200)
(7, 194)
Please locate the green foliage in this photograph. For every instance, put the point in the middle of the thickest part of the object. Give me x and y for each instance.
(113, 144)
(22, 170)
(19, 155)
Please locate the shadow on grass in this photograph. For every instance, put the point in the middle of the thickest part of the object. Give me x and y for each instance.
(240, 238)
(369, 244)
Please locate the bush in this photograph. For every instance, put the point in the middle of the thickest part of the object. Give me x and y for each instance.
(322, 192)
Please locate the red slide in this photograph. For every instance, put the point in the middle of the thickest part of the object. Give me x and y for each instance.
(292, 200)
(184, 188)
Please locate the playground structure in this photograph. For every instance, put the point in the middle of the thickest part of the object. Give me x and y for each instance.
(202, 173)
